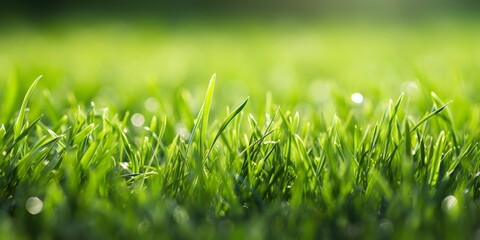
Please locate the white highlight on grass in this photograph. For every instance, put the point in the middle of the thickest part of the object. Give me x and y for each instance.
(34, 205)
(449, 203)
(138, 120)
(182, 131)
(180, 215)
(152, 104)
(357, 98)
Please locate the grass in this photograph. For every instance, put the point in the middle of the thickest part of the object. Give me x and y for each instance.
(99, 163)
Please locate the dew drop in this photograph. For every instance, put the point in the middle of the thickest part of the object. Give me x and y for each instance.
(34, 205)
(449, 203)
(180, 215)
(182, 131)
(138, 120)
(357, 98)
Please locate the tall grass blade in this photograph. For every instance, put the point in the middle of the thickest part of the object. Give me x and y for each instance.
(23, 134)
(408, 140)
(430, 115)
(202, 118)
(206, 109)
(225, 124)
(21, 115)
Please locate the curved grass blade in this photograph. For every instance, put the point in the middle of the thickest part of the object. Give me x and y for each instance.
(408, 140)
(206, 109)
(423, 120)
(449, 120)
(22, 134)
(432, 114)
(202, 118)
(3, 132)
(225, 124)
(17, 128)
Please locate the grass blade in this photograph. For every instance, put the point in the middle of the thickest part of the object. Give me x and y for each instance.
(21, 115)
(225, 124)
(202, 118)
(206, 109)
(408, 140)
(432, 114)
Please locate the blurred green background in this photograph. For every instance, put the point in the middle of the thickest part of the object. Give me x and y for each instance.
(308, 54)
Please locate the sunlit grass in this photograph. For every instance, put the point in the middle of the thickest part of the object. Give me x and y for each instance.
(305, 132)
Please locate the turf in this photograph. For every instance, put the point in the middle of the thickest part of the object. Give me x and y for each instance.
(124, 135)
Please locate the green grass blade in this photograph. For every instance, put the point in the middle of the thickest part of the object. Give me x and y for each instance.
(202, 118)
(81, 136)
(206, 109)
(225, 124)
(89, 155)
(430, 115)
(19, 122)
(2, 132)
(408, 140)
(23, 134)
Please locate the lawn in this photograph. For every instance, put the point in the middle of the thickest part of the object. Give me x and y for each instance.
(243, 129)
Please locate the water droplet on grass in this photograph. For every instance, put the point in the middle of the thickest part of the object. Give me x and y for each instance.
(180, 215)
(182, 131)
(151, 104)
(34, 205)
(449, 203)
(357, 98)
(138, 120)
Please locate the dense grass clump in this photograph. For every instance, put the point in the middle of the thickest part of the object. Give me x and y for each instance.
(123, 137)
(93, 174)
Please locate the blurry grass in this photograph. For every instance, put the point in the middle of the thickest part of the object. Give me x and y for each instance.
(252, 57)
(116, 143)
